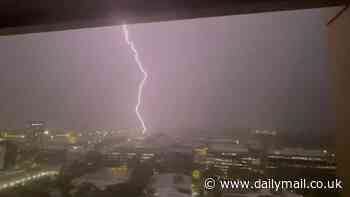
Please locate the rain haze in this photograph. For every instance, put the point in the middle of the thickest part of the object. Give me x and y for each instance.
(248, 71)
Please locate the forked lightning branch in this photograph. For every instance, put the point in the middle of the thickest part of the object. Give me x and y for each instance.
(143, 81)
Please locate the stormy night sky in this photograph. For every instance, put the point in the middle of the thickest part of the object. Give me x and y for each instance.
(266, 70)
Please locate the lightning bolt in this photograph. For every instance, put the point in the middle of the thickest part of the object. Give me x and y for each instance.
(143, 81)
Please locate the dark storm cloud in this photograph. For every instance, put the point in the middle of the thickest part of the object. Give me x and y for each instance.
(265, 70)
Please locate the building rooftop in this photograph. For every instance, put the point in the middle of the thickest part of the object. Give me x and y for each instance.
(299, 152)
(174, 185)
(102, 178)
(231, 148)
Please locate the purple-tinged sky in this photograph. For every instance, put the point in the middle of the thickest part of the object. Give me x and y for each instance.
(259, 71)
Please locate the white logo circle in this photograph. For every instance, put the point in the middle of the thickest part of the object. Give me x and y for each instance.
(209, 184)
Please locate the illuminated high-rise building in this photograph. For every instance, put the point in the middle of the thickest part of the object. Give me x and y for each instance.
(35, 131)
